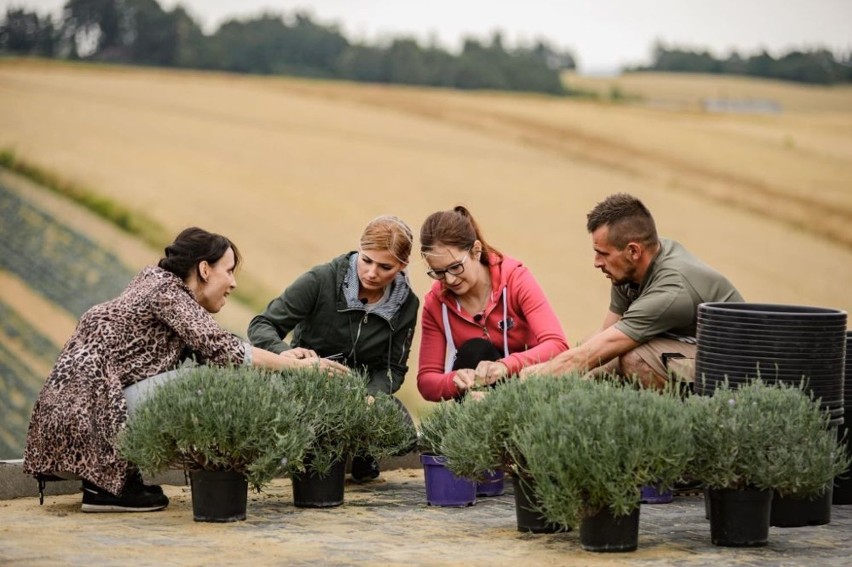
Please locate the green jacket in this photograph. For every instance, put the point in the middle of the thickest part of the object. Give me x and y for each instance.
(324, 313)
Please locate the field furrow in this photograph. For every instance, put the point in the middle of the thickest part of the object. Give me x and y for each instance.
(65, 267)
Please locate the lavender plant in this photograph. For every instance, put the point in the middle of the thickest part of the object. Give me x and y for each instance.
(765, 436)
(344, 419)
(223, 419)
(595, 445)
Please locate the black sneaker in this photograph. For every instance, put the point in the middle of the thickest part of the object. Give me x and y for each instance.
(134, 498)
(134, 476)
(364, 469)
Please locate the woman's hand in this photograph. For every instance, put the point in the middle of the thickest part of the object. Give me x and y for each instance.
(464, 379)
(476, 395)
(488, 372)
(333, 368)
(300, 353)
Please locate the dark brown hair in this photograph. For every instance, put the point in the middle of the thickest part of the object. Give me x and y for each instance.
(193, 246)
(628, 220)
(453, 228)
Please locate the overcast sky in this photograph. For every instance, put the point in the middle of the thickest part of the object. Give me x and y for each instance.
(603, 34)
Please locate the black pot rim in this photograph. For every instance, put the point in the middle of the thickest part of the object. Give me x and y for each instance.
(768, 308)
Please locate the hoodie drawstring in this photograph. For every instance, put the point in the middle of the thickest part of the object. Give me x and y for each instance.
(450, 353)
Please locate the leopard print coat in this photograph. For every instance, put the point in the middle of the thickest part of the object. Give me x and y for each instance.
(81, 408)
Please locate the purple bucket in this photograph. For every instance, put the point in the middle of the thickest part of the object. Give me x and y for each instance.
(443, 488)
(650, 495)
(491, 485)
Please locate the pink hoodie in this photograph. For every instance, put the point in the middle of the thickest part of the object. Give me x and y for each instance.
(534, 333)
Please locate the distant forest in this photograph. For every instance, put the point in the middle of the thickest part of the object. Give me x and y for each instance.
(141, 32)
(817, 66)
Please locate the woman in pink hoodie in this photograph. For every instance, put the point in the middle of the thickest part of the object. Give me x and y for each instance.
(485, 317)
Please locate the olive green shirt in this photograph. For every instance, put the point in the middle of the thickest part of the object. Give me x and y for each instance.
(666, 302)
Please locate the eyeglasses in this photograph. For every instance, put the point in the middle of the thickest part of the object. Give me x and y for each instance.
(453, 269)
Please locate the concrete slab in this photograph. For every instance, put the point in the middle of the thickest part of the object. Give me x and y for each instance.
(386, 522)
(15, 484)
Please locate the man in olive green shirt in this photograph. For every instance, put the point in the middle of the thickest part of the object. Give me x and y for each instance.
(657, 286)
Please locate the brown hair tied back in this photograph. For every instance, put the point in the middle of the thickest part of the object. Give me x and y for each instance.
(456, 228)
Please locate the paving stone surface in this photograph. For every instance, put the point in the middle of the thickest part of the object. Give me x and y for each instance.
(382, 523)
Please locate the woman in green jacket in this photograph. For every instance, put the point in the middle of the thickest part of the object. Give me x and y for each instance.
(358, 309)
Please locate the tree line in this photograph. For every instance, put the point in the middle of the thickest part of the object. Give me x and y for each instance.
(817, 66)
(141, 32)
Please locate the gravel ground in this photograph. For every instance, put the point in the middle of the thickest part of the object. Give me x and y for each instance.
(386, 522)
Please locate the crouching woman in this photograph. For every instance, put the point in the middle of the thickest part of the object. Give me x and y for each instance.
(125, 343)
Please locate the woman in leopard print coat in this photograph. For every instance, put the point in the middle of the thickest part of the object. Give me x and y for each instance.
(141, 333)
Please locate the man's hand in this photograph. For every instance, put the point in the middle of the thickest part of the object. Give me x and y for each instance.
(563, 363)
(532, 370)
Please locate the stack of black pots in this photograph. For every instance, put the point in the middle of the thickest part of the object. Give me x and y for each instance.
(778, 343)
(843, 486)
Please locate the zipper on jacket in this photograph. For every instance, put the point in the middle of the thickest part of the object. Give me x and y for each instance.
(407, 343)
(361, 322)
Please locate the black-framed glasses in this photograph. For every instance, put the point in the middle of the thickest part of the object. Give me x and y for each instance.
(453, 269)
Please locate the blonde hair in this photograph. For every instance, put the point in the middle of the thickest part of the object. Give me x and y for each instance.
(390, 233)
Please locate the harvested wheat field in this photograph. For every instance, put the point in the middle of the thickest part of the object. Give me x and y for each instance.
(293, 169)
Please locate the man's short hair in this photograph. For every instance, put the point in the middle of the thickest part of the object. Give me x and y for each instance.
(628, 220)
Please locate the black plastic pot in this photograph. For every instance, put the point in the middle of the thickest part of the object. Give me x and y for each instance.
(310, 490)
(843, 486)
(775, 312)
(780, 343)
(789, 512)
(739, 518)
(770, 350)
(528, 517)
(218, 496)
(603, 532)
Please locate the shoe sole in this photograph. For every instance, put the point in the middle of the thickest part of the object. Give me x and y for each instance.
(362, 480)
(116, 508)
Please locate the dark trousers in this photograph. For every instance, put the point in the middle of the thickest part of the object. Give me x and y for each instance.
(475, 351)
(472, 353)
